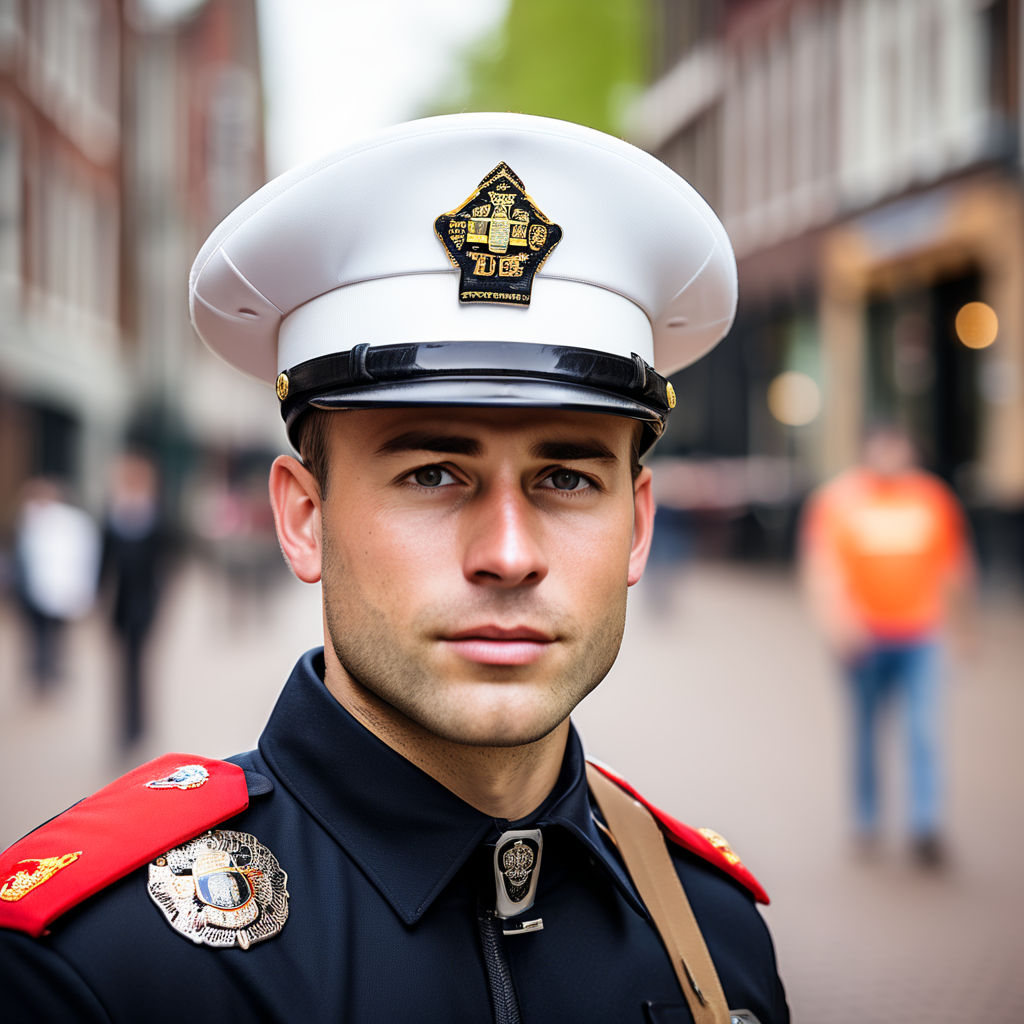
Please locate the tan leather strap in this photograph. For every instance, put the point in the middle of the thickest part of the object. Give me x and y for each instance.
(647, 859)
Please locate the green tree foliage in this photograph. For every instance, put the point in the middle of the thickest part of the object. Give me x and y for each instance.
(580, 60)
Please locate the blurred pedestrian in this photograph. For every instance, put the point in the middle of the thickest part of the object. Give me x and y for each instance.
(56, 563)
(133, 561)
(886, 559)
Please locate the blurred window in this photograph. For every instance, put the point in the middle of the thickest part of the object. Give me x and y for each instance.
(52, 27)
(232, 135)
(683, 27)
(10, 30)
(927, 86)
(10, 202)
(103, 254)
(102, 70)
(693, 152)
(1001, 72)
(57, 437)
(40, 176)
(999, 31)
(81, 256)
(55, 220)
(827, 113)
(755, 121)
(779, 140)
(920, 376)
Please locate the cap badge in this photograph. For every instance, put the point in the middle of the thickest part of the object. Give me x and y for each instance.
(282, 386)
(221, 889)
(186, 776)
(516, 870)
(498, 239)
(32, 873)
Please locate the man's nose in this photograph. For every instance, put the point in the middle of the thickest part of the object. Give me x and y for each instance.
(503, 543)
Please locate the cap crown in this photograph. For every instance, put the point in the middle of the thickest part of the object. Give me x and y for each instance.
(343, 251)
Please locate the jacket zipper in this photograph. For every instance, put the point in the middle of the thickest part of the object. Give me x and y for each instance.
(504, 1003)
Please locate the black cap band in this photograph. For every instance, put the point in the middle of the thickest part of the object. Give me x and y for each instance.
(367, 376)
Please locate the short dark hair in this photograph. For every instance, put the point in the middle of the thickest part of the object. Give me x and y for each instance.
(312, 443)
(312, 435)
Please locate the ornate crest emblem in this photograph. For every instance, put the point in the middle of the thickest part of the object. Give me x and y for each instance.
(517, 863)
(498, 239)
(516, 870)
(186, 776)
(221, 889)
(29, 874)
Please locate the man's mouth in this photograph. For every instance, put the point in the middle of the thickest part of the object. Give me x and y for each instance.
(500, 645)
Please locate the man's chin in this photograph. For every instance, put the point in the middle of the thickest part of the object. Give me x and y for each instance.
(482, 721)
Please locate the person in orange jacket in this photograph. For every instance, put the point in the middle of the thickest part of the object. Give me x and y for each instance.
(886, 559)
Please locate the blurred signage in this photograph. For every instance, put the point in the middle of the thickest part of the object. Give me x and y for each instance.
(906, 226)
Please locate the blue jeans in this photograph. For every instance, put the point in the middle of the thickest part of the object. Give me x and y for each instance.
(911, 673)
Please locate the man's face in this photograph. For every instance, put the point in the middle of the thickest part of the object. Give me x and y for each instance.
(475, 563)
(888, 452)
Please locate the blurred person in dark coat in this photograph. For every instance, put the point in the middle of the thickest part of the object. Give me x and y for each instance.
(134, 554)
(56, 563)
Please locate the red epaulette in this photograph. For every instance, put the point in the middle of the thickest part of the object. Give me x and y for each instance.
(704, 842)
(108, 835)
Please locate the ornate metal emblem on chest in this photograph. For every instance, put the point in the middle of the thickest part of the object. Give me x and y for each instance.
(517, 864)
(221, 889)
(516, 870)
(498, 239)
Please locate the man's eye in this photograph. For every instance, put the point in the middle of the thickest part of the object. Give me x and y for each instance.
(566, 480)
(433, 476)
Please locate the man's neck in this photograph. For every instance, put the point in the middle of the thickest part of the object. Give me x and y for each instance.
(503, 782)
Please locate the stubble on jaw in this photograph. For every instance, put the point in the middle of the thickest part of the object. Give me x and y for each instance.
(395, 694)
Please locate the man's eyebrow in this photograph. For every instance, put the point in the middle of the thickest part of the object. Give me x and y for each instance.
(571, 451)
(423, 441)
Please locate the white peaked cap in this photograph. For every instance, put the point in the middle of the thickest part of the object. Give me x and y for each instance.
(343, 253)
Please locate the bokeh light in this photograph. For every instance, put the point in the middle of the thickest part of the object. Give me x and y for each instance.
(794, 398)
(977, 324)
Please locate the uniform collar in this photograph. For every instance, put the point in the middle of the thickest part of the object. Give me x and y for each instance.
(408, 833)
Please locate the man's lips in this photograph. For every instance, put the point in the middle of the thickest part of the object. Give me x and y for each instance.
(499, 645)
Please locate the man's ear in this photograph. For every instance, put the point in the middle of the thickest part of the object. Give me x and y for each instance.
(643, 525)
(295, 499)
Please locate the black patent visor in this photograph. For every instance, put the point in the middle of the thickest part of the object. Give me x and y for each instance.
(473, 373)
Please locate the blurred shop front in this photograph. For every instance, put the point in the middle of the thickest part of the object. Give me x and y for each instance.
(113, 168)
(866, 160)
(910, 313)
(923, 319)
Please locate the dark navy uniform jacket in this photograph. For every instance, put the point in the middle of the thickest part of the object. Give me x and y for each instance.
(391, 892)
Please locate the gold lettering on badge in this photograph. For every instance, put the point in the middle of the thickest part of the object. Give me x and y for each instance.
(485, 264)
(511, 266)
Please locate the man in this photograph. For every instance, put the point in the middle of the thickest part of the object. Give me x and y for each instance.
(418, 836)
(134, 562)
(886, 558)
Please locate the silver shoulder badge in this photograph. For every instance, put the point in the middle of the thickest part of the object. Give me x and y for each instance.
(221, 889)
(185, 776)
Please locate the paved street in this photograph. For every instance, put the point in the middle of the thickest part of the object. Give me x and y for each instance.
(722, 708)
